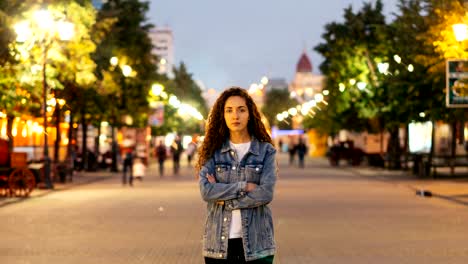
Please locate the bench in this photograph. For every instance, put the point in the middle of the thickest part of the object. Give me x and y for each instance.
(441, 161)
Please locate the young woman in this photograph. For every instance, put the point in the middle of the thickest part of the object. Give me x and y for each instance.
(237, 174)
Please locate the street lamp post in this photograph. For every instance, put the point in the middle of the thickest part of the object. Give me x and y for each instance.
(49, 29)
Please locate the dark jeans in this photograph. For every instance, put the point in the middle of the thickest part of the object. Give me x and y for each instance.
(161, 167)
(301, 160)
(291, 158)
(176, 161)
(236, 255)
(128, 167)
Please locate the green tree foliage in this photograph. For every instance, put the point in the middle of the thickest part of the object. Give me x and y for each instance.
(276, 101)
(352, 51)
(187, 90)
(14, 99)
(8, 10)
(413, 48)
(441, 15)
(128, 40)
(66, 62)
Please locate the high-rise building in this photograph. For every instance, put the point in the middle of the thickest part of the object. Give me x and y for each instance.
(163, 48)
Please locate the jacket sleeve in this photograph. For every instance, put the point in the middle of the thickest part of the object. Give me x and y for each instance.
(218, 191)
(263, 194)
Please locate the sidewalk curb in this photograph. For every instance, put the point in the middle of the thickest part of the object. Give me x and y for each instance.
(417, 188)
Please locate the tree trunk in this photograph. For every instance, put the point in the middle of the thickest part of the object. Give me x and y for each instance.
(84, 143)
(57, 132)
(406, 147)
(393, 148)
(431, 153)
(453, 148)
(96, 141)
(10, 120)
(70, 136)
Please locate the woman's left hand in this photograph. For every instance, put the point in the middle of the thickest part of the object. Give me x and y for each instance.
(211, 178)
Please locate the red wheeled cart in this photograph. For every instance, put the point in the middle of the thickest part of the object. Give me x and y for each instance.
(15, 177)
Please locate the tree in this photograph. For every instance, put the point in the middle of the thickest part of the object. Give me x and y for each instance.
(13, 97)
(62, 65)
(187, 91)
(128, 40)
(352, 51)
(275, 103)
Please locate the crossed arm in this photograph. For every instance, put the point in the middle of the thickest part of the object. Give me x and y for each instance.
(243, 194)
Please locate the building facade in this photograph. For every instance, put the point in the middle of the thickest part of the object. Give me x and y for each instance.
(305, 84)
(163, 47)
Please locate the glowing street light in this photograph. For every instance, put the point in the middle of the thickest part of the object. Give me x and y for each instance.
(383, 67)
(342, 87)
(361, 85)
(397, 58)
(318, 97)
(126, 70)
(114, 61)
(460, 31)
(157, 89)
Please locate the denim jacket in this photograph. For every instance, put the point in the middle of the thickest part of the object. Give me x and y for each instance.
(258, 166)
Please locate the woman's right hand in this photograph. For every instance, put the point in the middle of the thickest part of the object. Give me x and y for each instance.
(211, 178)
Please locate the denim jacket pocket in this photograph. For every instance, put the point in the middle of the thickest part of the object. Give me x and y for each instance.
(222, 173)
(253, 173)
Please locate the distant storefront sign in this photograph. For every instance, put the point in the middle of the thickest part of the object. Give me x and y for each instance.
(420, 137)
(457, 83)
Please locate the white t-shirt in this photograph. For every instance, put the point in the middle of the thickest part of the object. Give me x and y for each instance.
(235, 230)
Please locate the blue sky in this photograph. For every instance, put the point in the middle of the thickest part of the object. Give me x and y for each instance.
(227, 43)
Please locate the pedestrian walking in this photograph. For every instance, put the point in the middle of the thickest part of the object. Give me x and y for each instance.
(139, 169)
(176, 151)
(128, 167)
(191, 150)
(292, 152)
(161, 156)
(301, 149)
(237, 174)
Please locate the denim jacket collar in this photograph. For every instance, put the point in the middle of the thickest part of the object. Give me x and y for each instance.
(254, 146)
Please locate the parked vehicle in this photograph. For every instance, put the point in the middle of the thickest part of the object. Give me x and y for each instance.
(345, 150)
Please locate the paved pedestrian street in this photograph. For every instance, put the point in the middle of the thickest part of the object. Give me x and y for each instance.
(322, 214)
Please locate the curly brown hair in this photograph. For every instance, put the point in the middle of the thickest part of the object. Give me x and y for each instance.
(217, 131)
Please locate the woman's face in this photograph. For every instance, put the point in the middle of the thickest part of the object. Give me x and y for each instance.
(236, 114)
